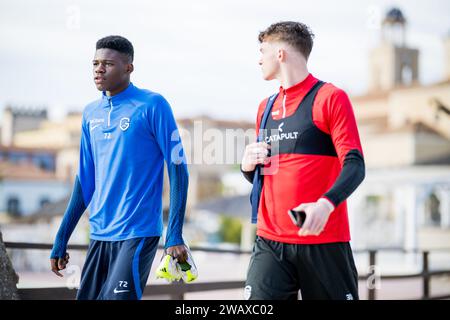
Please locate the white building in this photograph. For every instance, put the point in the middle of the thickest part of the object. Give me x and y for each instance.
(25, 188)
(405, 207)
(405, 134)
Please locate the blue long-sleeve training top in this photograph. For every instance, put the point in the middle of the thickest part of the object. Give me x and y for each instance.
(125, 140)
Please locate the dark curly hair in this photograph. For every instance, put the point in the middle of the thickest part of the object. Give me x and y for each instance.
(297, 34)
(117, 43)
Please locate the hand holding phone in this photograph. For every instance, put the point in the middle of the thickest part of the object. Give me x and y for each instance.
(297, 217)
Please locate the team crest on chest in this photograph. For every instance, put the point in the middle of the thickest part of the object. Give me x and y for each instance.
(124, 124)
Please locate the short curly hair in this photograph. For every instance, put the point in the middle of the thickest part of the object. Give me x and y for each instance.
(117, 43)
(296, 34)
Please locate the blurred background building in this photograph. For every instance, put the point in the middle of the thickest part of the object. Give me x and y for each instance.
(405, 132)
(404, 202)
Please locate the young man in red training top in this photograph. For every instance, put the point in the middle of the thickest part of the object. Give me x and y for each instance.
(310, 135)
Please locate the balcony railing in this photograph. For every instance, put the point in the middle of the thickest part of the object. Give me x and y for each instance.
(178, 290)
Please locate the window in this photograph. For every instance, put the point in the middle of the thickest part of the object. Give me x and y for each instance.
(43, 202)
(372, 208)
(18, 157)
(432, 211)
(407, 75)
(13, 206)
(44, 161)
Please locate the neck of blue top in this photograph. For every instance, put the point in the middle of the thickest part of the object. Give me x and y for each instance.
(117, 98)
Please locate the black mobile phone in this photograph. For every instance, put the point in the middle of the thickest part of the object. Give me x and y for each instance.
(297, 217)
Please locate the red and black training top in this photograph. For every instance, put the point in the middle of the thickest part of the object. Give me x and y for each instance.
(316, 152)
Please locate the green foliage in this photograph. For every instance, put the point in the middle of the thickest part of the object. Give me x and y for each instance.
(230, 229)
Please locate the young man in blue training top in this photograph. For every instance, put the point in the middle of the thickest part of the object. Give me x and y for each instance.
(126, 137)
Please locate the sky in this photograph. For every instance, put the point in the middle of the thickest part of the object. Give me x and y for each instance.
(201, 55)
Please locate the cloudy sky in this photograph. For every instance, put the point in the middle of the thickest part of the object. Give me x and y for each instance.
(201, 55)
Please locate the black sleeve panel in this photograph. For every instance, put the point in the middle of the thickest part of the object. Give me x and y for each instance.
(351, 176)
(248, 175)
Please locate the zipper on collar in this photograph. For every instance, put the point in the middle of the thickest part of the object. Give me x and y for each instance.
(284, 104)
(111, 107)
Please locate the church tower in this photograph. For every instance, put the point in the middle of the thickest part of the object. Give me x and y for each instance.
(392, 63)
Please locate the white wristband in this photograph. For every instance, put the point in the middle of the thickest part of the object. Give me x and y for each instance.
(327, 202)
